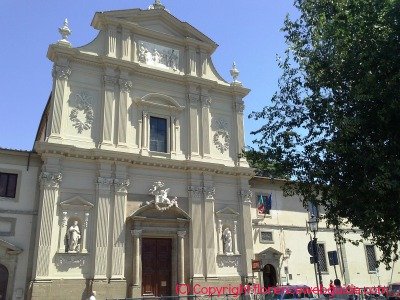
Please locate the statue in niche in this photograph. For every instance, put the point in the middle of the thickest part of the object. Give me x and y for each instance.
(73, 236)
(227, 241)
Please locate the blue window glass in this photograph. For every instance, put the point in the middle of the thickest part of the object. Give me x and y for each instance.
(158, 134)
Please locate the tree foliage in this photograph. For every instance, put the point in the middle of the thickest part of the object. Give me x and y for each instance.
(334, 124)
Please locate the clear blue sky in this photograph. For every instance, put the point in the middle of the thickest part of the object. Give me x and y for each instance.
(247, 31)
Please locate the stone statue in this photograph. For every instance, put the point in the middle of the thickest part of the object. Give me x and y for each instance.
(142, 53)
(73, 236)
(227, 240)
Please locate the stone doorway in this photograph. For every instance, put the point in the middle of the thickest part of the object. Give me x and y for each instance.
(3, 281)
(156, 267)
(269, 276)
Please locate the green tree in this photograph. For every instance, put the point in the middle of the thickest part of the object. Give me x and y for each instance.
(333, 126)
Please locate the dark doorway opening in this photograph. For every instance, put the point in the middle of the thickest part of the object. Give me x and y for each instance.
(3, 281)
(269, 276)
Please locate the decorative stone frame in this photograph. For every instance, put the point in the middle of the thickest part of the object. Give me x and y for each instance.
(9, 259)
(11, 222)
(70, 210)
(17, 188)
(160, 106)
(263, 241)
(227, 218)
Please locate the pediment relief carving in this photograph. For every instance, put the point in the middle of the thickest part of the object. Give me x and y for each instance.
(150, 211)
(76, 203)
(157, 100)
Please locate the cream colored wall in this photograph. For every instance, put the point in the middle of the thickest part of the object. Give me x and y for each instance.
(23, 211)
(287, 221)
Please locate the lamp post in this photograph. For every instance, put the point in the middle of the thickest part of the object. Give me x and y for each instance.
(288, 252)
(313, 227)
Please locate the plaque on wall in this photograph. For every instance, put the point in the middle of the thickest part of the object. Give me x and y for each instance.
(158, 56)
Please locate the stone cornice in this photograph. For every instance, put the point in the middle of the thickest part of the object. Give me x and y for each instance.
(75, 55)
(45, 148)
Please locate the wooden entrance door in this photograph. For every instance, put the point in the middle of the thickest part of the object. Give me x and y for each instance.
(156, 267)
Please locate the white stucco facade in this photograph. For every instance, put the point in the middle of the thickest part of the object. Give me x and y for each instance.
(104, 206)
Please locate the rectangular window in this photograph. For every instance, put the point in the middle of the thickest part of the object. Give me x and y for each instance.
(264, 204)
(266, 237)
(322, 258)
(8, 185)
(158, 134)
(371, 258)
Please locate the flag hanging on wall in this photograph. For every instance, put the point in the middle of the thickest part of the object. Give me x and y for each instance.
(264, 204)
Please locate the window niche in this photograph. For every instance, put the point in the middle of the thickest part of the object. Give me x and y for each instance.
(74, 218)
(159, 128)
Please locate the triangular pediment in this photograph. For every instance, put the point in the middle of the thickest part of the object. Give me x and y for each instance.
(11, 248)
(270, 251)
(76, 202)
(227, 211)
(156, 20)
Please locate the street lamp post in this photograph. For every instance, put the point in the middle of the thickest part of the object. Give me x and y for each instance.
(313, 226)
(288, 252)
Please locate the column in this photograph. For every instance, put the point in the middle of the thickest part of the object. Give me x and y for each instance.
(108, 112)
(63, 230)
(50, 185)
(118, 242)
(235, 238)
(209, 227)
(60, 74)
(136, 256)
(102, 226)
(219, 236)
(196, 230)
(145, 133)
(205, 124)
(248, 252)
(126, 44)
(181, 256)
(112, 41)
(125, 87)
(204, 63)
(85, 226)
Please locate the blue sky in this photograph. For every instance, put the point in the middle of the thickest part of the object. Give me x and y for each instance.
(247, 31)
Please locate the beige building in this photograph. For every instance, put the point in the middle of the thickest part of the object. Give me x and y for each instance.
(142, 182)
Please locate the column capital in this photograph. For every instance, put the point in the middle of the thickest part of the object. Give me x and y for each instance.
(209, 192)
(125, 85)
(206, 101)
(195, 191)
(121, 185)
(136, 232)
(239, 106)
(104, 182)
(246, 195)
(193, 99)
(61, 72)
(109, 81)
(181, 233)
(50, 180)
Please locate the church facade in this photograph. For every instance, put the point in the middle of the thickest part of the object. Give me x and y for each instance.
(141, 185)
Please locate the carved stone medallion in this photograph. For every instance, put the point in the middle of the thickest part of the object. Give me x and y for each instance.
(82, 115)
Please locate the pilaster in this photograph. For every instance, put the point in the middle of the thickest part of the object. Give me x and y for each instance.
(61, 73)
(181, 256)
(196, 235)
(209, 227)
(238, 107)
(103, 189)
(49, 185)
(126, 44)
(205, 123)
(137, 235)
(193, 139)
(112, 41)
(125, 87)
(245, 196)
(108, 111)
(118, 238)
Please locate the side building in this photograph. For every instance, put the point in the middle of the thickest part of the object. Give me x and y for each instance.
(19, 194)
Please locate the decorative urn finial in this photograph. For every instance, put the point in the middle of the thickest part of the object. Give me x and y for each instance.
(157, 5)
(235, 73)
(65, 32)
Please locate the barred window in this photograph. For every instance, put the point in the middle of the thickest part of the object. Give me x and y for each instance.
(266, 237)
(322, 258)
(371, 257)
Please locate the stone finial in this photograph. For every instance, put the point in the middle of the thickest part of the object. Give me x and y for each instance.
(157, 5)
(235, 73)
(65, 32)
